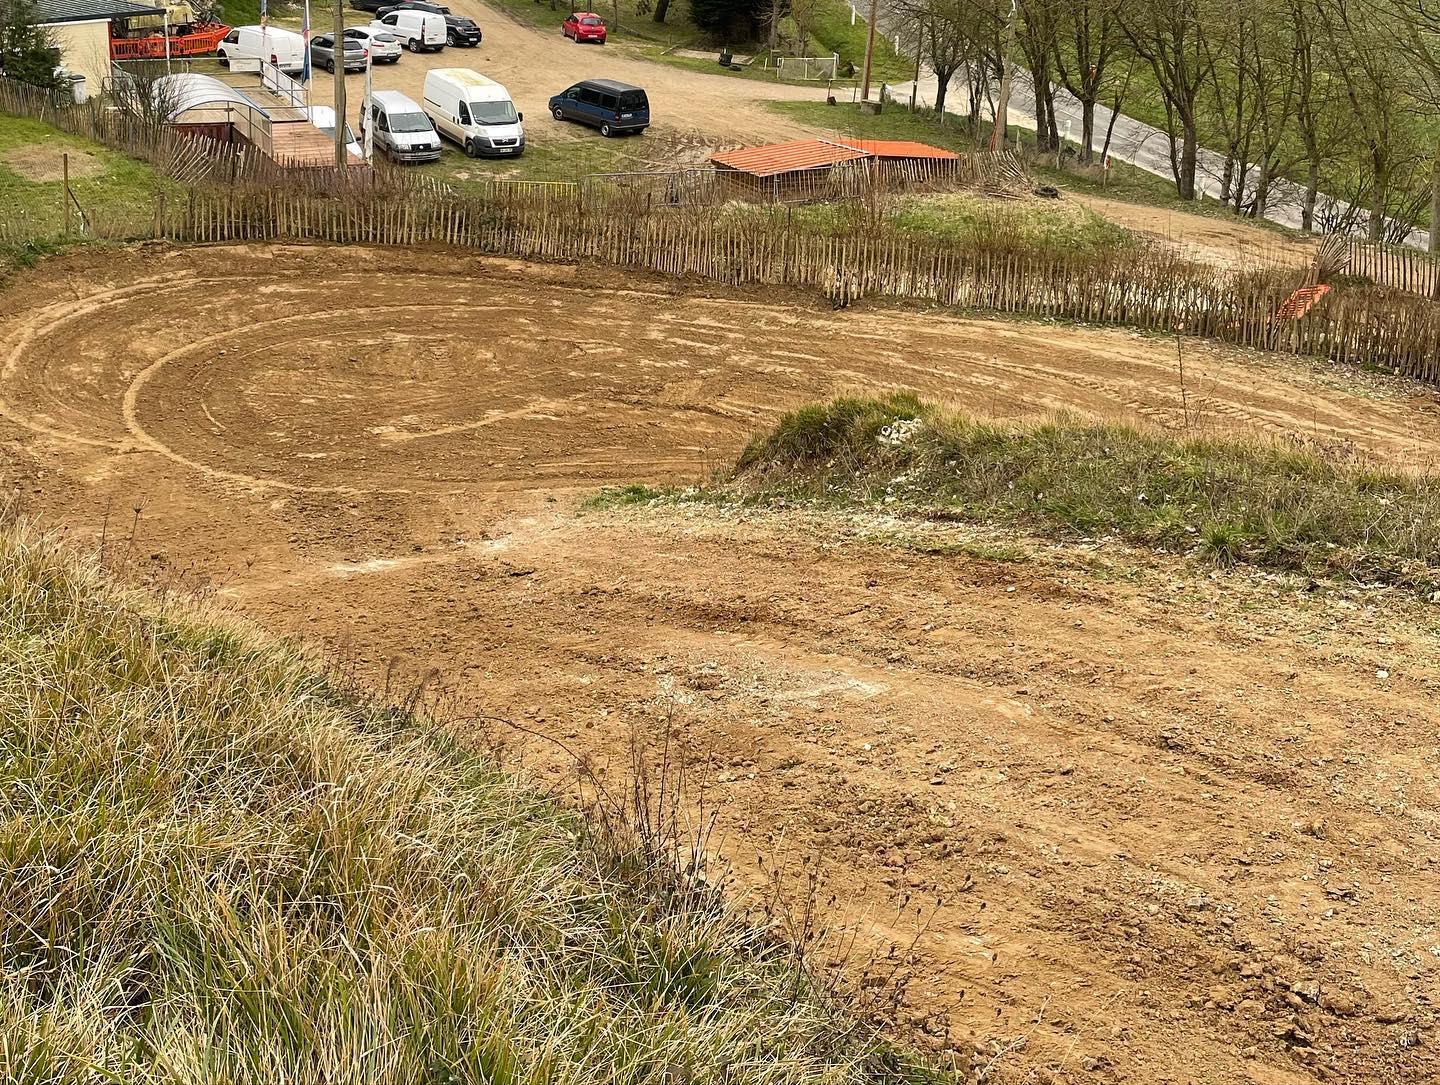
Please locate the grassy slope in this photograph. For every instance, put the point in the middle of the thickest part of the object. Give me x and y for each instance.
(1275, 505)
(1041, 226)
(123, 189)
(219, 868)
(896, 122)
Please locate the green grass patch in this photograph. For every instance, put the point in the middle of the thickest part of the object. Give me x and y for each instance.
(614, 497)
(217, 864)
(112, 189)
(545, 159)
(1276, 505)
(834, 33)
(971, 221)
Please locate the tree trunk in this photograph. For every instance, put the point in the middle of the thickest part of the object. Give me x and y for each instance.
(661, 8)
(942, 81)
(1189, 150)
(1087, 132)
(1227, 178)
(1312, 189)
(1042, 120)
(1434, 245)
(1377, 202)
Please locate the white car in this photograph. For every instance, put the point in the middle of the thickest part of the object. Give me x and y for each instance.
(384, 46)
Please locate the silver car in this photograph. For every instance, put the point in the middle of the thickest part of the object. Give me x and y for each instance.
(384, 48)
(322, 53)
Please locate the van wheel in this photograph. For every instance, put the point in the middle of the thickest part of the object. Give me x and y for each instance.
(414, 45)
(471, 150)
(224, 61)
(605, 130)
(558, 113)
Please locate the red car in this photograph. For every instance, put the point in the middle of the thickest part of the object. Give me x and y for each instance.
(584, 26)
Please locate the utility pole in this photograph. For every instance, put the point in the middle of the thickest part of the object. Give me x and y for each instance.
(869, 50)
(340, 107)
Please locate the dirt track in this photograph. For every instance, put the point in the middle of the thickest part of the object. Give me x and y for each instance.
(1151, 798)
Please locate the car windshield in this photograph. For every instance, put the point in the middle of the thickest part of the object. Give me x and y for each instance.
(330, 132)
(409, 122)
(633, 99)
(589, 22)
(384, 37)
(493, 112)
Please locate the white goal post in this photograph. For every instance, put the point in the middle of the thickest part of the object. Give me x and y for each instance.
(809, 67)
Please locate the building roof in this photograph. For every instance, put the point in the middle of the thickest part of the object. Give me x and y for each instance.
(771, 159)
(898, 148)
(776, 158)
(49, 12)
(184, 91)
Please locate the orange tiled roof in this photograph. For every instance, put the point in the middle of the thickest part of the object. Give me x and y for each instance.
(776, 158)
(898, 148)
(771, 159)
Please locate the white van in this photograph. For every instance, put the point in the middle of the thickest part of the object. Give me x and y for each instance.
(283, 48)
(422, 31)
(474, 111)
(403, 132)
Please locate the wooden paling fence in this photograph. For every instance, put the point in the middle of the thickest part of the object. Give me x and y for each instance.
(1395, 265)
(1152, 291)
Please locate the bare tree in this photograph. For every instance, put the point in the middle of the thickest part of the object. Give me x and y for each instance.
(1037, 34)
(1358, 46)
(1170, 36)
(1088, 37)
(803, 14)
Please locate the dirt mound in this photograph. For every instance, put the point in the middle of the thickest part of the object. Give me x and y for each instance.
(1179, 821)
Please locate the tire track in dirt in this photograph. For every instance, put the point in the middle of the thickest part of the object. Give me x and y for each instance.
(1070, 750)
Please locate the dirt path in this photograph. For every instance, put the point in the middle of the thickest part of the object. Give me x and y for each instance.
(1227, 243)
(1181, 824)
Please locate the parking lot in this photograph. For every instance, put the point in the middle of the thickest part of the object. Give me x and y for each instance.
(688, 108)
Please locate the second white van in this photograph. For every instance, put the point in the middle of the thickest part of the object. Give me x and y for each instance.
(474, 111)
(422, 31)
(283, 48)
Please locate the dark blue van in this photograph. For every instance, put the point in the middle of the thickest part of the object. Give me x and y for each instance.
(604, 104)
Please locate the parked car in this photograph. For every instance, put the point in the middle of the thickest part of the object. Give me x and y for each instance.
(370, 5)
(384, 46)
(475, 111)
(323, 118)
(584, 26)
(412, 5)
(322, 53)
(403, 133)
(283, 48)
(421, 31)
(605, 104)
(461, 31)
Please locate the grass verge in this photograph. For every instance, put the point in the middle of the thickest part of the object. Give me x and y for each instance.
(110, 188)
(1279, 506)
(218, 867)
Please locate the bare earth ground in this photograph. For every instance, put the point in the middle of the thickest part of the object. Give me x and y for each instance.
(1226, 243)
(1182, 822)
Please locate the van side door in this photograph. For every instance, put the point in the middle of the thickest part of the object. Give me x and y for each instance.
(589, 106)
